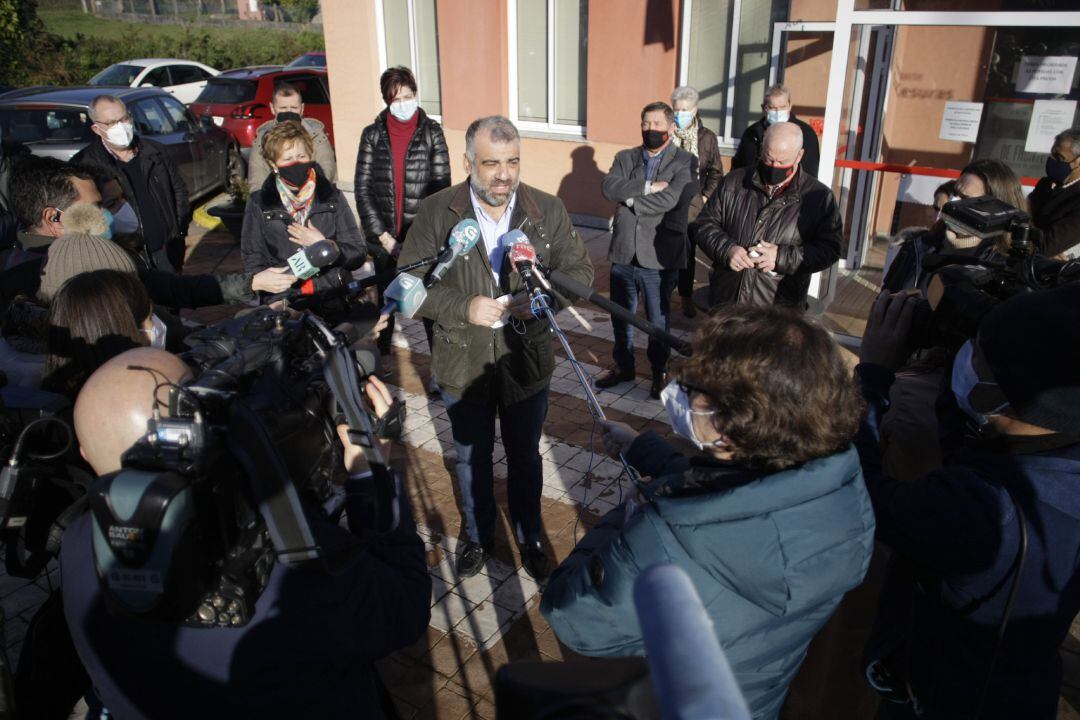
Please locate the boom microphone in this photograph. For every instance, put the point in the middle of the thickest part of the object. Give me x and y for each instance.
(585, 292)
(691, 675)
(463, 238)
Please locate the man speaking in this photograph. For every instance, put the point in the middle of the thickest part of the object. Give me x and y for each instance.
(490, 356)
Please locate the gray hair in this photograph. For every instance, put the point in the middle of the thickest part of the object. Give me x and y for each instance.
(687, 93)
(92, 109)
(777, 89)
(1071, 136)
(501, 129)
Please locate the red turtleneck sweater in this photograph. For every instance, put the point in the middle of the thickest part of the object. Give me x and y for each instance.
(400, 136)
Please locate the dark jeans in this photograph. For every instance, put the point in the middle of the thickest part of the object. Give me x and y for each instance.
(656, 286)
(473, 426)
(686, 275)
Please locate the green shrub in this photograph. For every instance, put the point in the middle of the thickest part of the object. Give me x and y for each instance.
(41, 58)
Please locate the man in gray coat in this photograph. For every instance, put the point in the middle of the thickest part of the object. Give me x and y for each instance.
(286, 104)
(652, 185)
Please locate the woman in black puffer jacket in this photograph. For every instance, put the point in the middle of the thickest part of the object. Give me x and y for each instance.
(402, 159)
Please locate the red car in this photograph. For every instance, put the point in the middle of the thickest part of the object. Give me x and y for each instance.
(239, 100)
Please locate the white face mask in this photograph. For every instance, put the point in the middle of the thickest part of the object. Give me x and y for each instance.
(777, 116)
(681, 415)
(156, 332)
(121, 134)
(404, 109)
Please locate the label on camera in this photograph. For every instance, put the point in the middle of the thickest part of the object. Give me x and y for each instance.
(301, 266)
(136, 580)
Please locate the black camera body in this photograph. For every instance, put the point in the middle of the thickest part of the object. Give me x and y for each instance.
(963, 288)
(228, 483)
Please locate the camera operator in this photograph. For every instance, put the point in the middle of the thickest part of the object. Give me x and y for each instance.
(770, 518)
(296, 206)
(310, 647)
(982, 586)
(978, 179)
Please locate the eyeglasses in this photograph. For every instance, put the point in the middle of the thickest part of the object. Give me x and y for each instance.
(125, 119)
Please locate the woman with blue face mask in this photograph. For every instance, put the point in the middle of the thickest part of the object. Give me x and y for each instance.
(761, 502)
(402, 160)
(693, 137)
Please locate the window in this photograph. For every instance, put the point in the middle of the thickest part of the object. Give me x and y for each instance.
(731, 79)
(150, 118)
(158, 77)
(410, 38)
(116, 75)
(183, 74)
(181, 118)
(227, 91)
(548, 64)
(311, 89)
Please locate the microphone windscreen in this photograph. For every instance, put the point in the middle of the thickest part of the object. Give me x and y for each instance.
(520, 252)
(514, 236)
(407, 293)
(322, 254)
(465, 234)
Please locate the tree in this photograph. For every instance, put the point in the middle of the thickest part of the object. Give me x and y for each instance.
(20, 27)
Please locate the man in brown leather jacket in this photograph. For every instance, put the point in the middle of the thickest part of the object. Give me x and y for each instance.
(487, 368)
(768, 228)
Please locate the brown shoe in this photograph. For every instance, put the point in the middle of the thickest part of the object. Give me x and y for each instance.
(613, 376)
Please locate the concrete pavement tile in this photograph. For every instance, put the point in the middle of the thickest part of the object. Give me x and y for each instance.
(449, 611)
(450, 654)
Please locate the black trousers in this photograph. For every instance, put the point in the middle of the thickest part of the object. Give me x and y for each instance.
(685, 284)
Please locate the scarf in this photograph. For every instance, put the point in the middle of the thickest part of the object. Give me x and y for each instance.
(687, 139)
(297, 201)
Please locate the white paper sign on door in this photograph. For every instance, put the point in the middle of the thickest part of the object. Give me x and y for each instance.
(1046, 74)
(1048, 118)
(961, 121)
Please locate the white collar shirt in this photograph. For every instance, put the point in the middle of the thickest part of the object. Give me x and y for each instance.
(491, 231)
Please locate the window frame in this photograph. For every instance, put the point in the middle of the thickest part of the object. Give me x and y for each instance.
(414, 60)
(728, 138)
(140, 106)
(550, 127)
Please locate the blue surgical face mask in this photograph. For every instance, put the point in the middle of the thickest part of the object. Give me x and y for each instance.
(156, 332)
(777, 116)
(684, 118)
(403, 110)
(681, 415)
(965, 380)
(110, 219)
(125, 220)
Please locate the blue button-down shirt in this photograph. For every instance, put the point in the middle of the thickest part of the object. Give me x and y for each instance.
(491, 231)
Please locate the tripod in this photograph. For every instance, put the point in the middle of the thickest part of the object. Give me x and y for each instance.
(542, 308)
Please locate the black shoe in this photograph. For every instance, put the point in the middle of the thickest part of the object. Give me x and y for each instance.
(613, 376)
(472, 558)
(688, 309)
(535, 562)
(659, 380)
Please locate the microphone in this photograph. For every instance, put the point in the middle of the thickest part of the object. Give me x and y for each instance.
(523, 260)
(689, 670)
(463, 238)
(309, 260)
(572, 286)
(404, 296)
(326, 286)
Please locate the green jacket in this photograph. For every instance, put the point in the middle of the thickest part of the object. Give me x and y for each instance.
(475, 362)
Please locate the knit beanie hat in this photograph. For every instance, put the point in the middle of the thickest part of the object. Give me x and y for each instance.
(81, 249)
(1032, 344)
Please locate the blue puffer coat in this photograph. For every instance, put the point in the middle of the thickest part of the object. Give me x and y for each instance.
(770, 555)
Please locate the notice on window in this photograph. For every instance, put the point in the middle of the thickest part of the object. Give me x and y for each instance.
(1046, 74)
(1048, 118)
(961, 121)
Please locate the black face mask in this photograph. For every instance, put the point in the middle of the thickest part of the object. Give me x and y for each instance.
(772, 175)
(286, 116)
(295, 174)
(653, 139)
(1057, 170)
